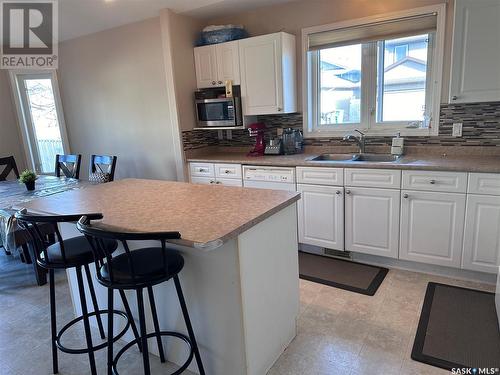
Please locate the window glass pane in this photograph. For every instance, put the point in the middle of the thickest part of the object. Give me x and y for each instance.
(401, 78)
(340, 85)
(46, 130)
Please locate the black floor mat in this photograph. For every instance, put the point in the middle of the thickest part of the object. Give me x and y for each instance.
(458, 328)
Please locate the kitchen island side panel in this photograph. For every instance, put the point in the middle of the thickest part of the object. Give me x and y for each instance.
(268, 256)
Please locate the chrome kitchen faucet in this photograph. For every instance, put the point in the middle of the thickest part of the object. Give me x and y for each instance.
(360, 140)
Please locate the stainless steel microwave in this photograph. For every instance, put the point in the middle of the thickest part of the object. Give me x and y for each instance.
(212, 110)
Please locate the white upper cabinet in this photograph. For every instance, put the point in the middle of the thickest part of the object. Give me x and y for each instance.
(432, 226)
(215, 64)
(267, 65)
(475, 73)
(205, 60)
(228, 62)
(372, 221)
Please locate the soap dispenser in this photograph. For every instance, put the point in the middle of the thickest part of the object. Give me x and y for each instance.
(397, 145)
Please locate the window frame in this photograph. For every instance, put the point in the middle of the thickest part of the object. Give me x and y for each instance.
(24, 116)
(369, 75)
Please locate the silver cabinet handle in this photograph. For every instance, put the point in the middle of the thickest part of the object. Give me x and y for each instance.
(227, 171)
(279, 109)
(220, 82)
(212, 182)
(348, 192)
(213, 82)
(405, 196)
(337, 192)
(218, 183)
(203, 170)
(454, 97)
(432, 182)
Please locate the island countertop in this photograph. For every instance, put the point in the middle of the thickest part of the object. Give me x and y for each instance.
(206, 216)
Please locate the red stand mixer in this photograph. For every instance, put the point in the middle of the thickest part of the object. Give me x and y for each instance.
(257, 130)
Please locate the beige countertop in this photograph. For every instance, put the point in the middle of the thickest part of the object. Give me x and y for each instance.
(456, 162)
(205, 215)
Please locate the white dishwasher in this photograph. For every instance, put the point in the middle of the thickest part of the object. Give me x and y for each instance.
(275, 178)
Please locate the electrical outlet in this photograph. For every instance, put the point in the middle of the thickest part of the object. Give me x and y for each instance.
(457, 129)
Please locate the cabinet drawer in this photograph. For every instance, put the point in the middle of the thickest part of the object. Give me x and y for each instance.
(203, 180)
(450, 182)
(229, 182)
(484, 183)
(320, 176)
(201, 170)
(382, 178)
(228, 171)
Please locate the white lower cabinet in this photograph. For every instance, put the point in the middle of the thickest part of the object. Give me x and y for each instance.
(215, 174)
(481, 251)
(372, 221)
(229, 181)
(203, 180)
(432, 226)
(321, 216)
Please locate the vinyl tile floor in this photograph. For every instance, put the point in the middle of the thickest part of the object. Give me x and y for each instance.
(339, 332)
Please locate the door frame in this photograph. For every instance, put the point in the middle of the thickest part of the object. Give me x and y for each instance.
(25, 124)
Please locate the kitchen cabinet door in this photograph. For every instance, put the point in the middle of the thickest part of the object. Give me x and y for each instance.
(228, 63)
(321, 216)
(432, 226)
(372, 221)
(267, 68)
(475, 76)
(205, 59)
(482, 234)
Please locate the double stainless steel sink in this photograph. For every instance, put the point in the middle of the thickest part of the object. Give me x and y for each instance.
(368, 158)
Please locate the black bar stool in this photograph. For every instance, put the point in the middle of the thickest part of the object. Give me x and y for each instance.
(63, 254)
(136, 270)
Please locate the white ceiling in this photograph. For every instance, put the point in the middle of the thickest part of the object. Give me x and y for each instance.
(83, 17)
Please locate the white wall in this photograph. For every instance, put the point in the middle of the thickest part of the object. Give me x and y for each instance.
(294, 16)
(115, 102)
(10, 136)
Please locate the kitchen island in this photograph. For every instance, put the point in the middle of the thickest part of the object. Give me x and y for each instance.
(240, 276)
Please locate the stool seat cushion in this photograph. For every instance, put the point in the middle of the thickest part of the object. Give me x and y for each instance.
(77, 251)
(148, 266)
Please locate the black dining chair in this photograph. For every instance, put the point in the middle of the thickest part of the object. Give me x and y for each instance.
(75, 253)
(69, 165)
(9, 164)
(102, 168)
(137, 270)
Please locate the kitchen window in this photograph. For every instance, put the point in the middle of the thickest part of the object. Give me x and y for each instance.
(380, 75)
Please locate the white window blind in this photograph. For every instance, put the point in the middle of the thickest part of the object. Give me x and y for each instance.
(397, 28)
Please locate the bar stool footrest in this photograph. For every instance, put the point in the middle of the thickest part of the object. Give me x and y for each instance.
(94, 348)
(151, 335)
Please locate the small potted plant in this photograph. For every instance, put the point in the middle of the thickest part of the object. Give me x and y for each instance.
(28, 178)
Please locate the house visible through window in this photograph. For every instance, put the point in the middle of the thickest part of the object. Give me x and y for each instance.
(401, 80)
(400, 52)
(40, 117)
(379, 77)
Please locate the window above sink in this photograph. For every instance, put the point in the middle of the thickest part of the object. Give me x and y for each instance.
(379, 74)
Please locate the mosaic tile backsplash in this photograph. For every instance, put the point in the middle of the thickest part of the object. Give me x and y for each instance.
(481, 127)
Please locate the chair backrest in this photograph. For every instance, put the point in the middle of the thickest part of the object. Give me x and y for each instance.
(103, 164)
(9, 164)
(96, 235)
(69, 165)
(37, 238)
